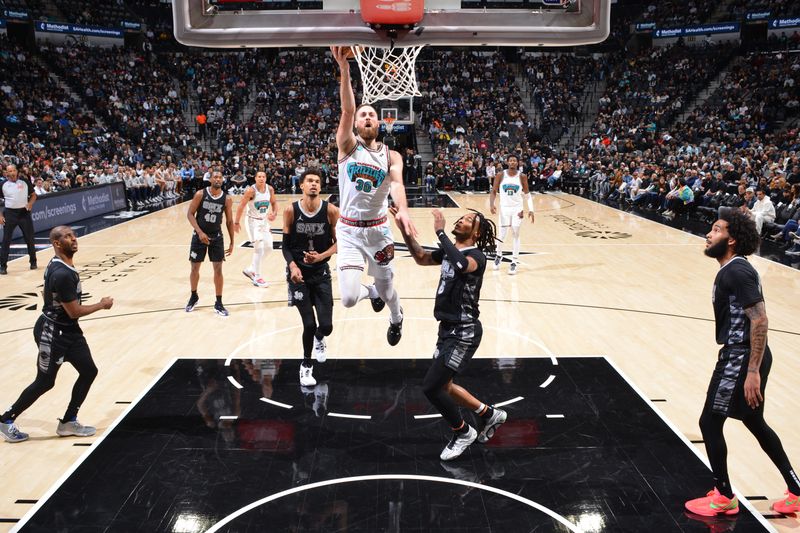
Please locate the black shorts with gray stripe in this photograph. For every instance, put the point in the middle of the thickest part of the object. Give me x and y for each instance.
(726, 391)
(457, 343)
(59, 344)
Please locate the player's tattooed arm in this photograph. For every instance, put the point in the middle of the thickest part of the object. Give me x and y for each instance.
(759, 325)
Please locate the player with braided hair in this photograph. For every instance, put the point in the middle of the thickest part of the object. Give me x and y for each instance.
(463, 264)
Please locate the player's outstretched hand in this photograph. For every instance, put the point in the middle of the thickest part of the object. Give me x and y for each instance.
(340, 55)
(438, 220)
(405, 224)
(106, 302)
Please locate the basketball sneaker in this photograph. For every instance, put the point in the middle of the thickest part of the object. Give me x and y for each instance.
(498, 417)
(512, 271)
(260, 282)
(73, 428)
(377, 303)
(395, 331)
(306, 376)
(319, 350)
(789, 505)
(458, 444)
(497, 260)
(220, 309)
(249, 274)
(713, 504)
(12, 433)
(192, 303)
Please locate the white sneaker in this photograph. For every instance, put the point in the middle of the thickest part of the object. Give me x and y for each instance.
(458, 444)
(74, 429)
(260, 282)
(306, 377)
(498, 417)
(513, 270)
(249, 274)
(11, 433)
(319, 350)
(497, 260)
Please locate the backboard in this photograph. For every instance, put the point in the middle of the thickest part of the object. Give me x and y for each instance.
(319, 23)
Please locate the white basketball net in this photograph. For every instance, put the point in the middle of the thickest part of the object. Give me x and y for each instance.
(387, 74)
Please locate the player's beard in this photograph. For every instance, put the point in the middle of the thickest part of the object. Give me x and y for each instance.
(717, 250)
(367, 134)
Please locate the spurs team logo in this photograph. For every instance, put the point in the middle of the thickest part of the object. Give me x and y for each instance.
(603, 234)
(27, 301)
(366, 177)
(383, 257)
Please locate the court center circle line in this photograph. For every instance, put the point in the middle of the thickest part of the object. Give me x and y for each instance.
(391, 477)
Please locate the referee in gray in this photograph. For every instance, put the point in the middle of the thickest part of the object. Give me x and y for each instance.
(18, 198)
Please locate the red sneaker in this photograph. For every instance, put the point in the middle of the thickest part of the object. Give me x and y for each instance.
(789, 505)
(714, 504)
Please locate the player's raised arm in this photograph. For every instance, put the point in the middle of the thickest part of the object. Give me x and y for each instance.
(345, 138)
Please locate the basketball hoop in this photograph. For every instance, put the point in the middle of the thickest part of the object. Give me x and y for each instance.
(387, 73)
(388, 123)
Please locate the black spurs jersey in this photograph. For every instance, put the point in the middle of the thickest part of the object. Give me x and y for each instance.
(62, 283)
(310, 232)
(209, 214)
(736, 287)
(458, 294)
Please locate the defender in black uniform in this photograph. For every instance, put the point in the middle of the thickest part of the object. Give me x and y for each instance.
(60, 340)
(309, 240)
(205, 216)
(739, 380)
(460, 331)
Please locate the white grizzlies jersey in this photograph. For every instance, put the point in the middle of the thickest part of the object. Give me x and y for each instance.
(510, 191)
(364, 183)
(258, 206)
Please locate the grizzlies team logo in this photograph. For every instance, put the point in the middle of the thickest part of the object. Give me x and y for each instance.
(366, 177)
(384, 257)
(510, 189)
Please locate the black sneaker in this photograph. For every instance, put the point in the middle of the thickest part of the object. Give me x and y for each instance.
(395, 332)
(220, 309)
(377, 304)
(192, 302)
(34, 266)
(3, 271)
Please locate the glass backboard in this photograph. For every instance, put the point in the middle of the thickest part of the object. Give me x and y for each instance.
(318, 23)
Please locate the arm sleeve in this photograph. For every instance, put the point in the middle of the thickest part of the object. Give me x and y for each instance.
(454, 255)
(287, 253)
(530, 202)
(437, 256)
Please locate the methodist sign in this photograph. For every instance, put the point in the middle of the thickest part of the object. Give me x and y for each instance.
(704, 29)
(78, 29)
(66, 207)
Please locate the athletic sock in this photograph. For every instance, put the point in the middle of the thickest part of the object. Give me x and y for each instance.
(725, 489)
(219, 299)
(194, 294)
(462, 429)
(373, 292)
(485, 411)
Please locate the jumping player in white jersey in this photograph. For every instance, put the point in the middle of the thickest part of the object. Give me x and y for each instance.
(512, 186)
(262, 208)
(363, 231)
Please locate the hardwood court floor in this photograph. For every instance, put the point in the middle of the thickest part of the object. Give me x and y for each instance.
(594, 281)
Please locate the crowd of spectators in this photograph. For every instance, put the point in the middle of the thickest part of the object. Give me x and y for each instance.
(776, 8)
(676, 13)
(106, 14)
(558, 82)
(473, 112)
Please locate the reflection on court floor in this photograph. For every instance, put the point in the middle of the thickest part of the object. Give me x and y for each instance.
(242, 447)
